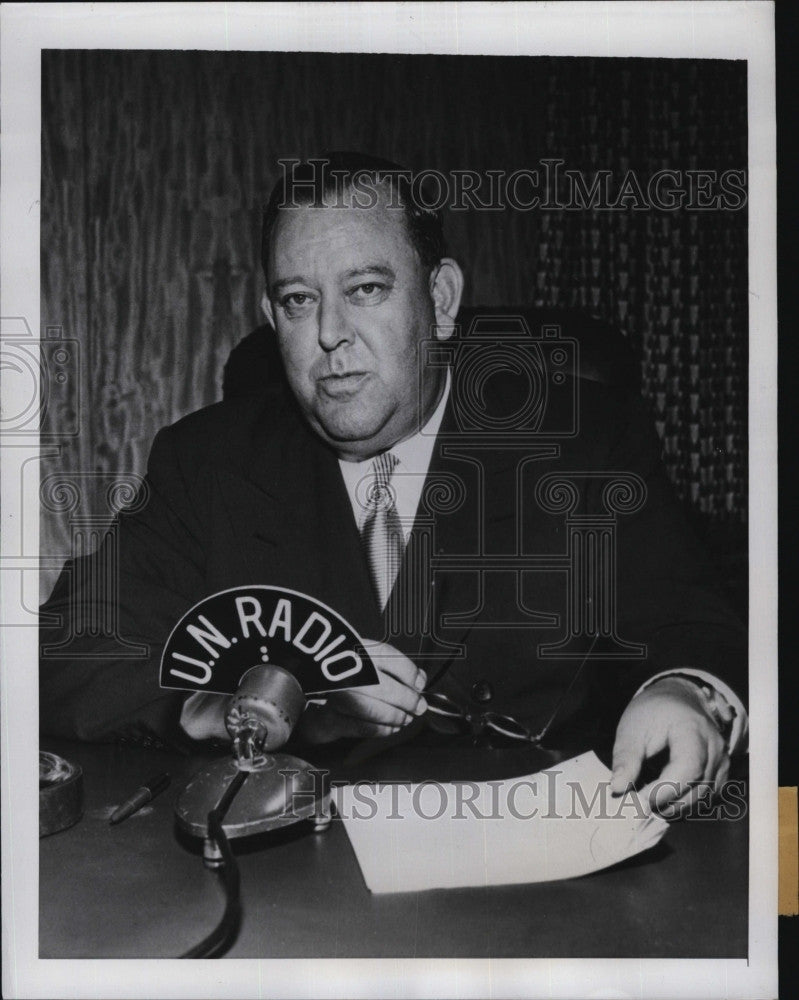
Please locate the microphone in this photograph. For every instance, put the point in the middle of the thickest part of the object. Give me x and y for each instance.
(262, 713)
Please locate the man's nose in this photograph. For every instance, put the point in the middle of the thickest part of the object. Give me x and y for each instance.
(333, 327)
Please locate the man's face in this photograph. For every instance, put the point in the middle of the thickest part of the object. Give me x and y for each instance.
(350, 302)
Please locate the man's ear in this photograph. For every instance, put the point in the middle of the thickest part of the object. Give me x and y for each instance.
(266, 305)
(446, 288)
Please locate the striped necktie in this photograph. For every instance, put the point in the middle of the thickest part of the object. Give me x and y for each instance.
(382, 533)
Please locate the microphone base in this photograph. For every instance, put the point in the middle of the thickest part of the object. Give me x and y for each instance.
(279, 790)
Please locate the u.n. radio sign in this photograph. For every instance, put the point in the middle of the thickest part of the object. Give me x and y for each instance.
(224, 635)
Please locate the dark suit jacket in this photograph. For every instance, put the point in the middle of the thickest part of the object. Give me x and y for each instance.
(243, 492)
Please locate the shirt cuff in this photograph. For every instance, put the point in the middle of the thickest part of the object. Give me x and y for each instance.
(202, 716)
(739, 734)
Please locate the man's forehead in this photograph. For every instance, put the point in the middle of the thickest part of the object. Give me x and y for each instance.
(350, 235)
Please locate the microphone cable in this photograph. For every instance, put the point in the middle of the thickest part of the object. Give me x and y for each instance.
(224, 934)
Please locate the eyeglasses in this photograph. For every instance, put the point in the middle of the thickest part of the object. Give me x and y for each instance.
(477, 723)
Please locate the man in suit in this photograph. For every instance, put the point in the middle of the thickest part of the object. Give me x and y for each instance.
(360, 480)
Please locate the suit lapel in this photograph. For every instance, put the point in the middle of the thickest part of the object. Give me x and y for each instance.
(293, 523)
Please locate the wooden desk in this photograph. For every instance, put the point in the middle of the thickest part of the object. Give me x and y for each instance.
(139, 889)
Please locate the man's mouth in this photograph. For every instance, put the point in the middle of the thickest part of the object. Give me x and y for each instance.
(343, 384)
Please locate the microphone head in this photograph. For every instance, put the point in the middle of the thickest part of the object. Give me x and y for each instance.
(265, 708)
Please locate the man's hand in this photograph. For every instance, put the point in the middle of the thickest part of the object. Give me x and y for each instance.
(378, 710)
(672, 713)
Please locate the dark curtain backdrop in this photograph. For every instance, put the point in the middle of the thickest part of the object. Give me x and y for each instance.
(156, 166)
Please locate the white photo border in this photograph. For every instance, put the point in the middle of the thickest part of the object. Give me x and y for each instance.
(726, 30)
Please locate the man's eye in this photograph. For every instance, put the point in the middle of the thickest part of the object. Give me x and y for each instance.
(296, 304)
(369, 291)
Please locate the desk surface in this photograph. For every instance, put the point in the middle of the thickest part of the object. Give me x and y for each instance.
(140, 889)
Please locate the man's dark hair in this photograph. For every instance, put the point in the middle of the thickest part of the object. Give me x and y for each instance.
(310, 182)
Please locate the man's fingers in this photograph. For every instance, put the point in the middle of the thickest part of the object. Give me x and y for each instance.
(389, 703)
(688, 756)
(624, 774)
(668, 715)
(722, 774)
(698, 791)
(321, 724)
(716, 755)
(389, 660)
(628, 756)
(377, 710)
(698, 766)
(362, 729)
(374, 713)
(677, 798)
(203, 716)
(715, 774)
(392, 692)
(637, 736)
(667, 796)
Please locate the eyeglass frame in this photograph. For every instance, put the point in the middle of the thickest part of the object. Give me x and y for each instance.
(441, 704)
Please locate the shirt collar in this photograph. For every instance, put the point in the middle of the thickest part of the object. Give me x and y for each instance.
(413, 454)
(413, 458)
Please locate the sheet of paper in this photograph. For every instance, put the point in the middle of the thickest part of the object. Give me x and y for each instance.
(559, 823)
